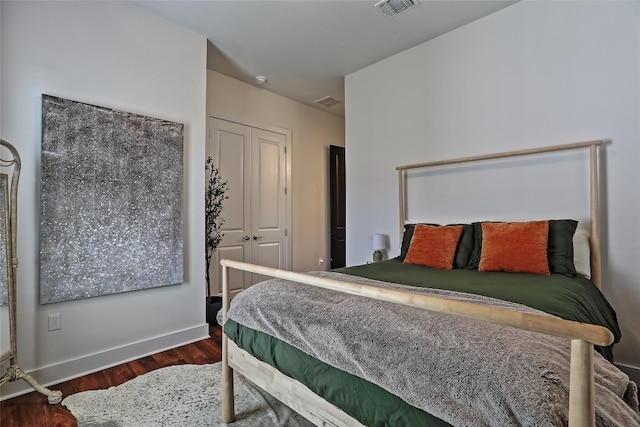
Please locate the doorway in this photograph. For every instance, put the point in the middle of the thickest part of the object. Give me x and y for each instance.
(338, 210)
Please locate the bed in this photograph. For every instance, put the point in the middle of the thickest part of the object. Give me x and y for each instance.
(411, 343)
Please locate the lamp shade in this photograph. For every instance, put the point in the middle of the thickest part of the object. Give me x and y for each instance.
(378, 242)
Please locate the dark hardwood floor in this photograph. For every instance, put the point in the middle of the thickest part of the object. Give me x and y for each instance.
(32, 409)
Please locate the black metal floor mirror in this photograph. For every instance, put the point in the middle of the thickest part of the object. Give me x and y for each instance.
(9, 175)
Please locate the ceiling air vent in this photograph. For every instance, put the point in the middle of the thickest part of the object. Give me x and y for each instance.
(392, 8)
(327, 101)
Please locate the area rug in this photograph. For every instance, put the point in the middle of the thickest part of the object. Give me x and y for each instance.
(180, 396)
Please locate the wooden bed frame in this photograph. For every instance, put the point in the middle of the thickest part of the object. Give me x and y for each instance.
(299, 398)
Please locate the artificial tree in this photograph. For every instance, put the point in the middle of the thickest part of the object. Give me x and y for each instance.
(214, 195)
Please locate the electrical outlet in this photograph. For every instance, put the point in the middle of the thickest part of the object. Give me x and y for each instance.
(55, 321)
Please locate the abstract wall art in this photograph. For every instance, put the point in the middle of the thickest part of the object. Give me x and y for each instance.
(111, 201)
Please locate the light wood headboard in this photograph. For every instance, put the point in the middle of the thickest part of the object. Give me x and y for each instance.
(596, 275)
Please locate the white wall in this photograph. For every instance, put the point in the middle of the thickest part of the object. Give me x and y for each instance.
(116, 55)
(533, 74)
(312, 133)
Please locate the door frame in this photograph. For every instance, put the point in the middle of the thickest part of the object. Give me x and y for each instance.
(288, 144)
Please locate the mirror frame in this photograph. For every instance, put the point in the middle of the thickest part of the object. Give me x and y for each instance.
(14, 372)
(4, 222)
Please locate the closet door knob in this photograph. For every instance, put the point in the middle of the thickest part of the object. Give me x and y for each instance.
(256, 237)
(245, 238)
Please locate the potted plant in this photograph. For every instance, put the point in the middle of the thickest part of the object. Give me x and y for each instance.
(215, 193)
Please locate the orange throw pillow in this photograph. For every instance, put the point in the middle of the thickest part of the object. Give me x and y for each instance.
(516, 247)
(433, 246)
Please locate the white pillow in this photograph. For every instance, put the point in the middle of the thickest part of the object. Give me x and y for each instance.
(582, 252)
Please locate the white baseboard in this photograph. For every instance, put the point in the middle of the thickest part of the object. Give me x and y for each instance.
(74, 368)
(632, 371)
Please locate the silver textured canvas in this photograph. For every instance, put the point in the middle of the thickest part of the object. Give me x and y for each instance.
(111, 201)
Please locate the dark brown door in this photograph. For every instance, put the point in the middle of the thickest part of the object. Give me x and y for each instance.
(337, 196)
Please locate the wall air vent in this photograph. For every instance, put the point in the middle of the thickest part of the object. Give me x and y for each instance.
(392, 8)
(327, 101)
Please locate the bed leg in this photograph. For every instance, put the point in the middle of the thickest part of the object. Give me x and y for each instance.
(228, 411)
(581, 385)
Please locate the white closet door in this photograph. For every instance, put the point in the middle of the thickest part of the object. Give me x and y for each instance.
(230, 147)
(268, 200)
(253, 162)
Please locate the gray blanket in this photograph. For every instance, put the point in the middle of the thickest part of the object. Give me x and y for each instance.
(464, 371)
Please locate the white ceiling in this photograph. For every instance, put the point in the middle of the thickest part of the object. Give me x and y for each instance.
(305, 48)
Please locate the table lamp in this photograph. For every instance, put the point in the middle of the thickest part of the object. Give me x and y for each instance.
(378, 245)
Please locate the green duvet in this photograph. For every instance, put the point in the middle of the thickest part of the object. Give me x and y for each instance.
(570, 298)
